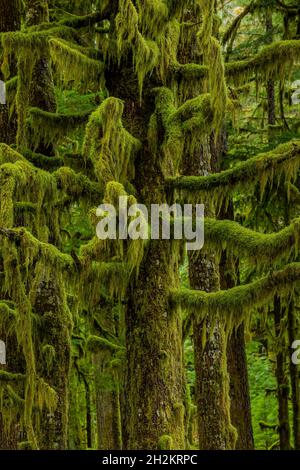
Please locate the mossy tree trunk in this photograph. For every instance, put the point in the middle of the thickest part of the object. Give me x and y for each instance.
(42, 93)
(10, 20)
(109, 426)
(240, 406)
(212, 387)
(281, 377)
(270, 88)
(54, 333)
(154, 410)
(153, 415)
(50, 303)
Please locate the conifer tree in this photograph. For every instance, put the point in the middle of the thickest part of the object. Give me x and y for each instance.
(107, 319)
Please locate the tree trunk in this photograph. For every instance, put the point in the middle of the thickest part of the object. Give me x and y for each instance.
(282, 382)
(240, 407)
(107, 406)
(212, 386)
(10, 20)
(270, 84)
(154, 409)
(55, 332)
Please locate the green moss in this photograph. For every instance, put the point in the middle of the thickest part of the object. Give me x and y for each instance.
(261, 249)
(10, 377)
(272, 167)
(165, 443)
(95, 343)
(50, 128)
(74, 65)
(184, 127)
(273, 60)
(234, 305)
(42, 161)
(109, 145)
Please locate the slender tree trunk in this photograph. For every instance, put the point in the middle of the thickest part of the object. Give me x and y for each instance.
(88, 404)
(212, 383)
(42, 94)
(107, 406)
(10, 20)
(240, 407)
(282, 382)
(270, 87)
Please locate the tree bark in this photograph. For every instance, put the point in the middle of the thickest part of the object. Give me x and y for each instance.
(10, 20)
(270, 87)
(282, 382)
(109, 424)
(240, 407)
(55, 331)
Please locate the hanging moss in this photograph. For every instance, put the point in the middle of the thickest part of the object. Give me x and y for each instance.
(73, 65)
(261, 249)
(77, 185)
(10, 377)
(275, 60)
(110, 147)
(234, 305)
(52, 127)
(184, 127)
(272, 167)
(214, 60)
(95, 343)
(42, 161)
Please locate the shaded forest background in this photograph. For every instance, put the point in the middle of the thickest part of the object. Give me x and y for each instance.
(138, 344)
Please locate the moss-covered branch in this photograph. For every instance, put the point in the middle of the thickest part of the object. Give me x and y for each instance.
(235, 304)
(11, 377)
(281, 163)
(260, 248)
(51, 127)
(273, 60)
(95, 343)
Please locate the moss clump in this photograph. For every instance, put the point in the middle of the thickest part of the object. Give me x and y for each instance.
(165, 443)
(109, 146)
